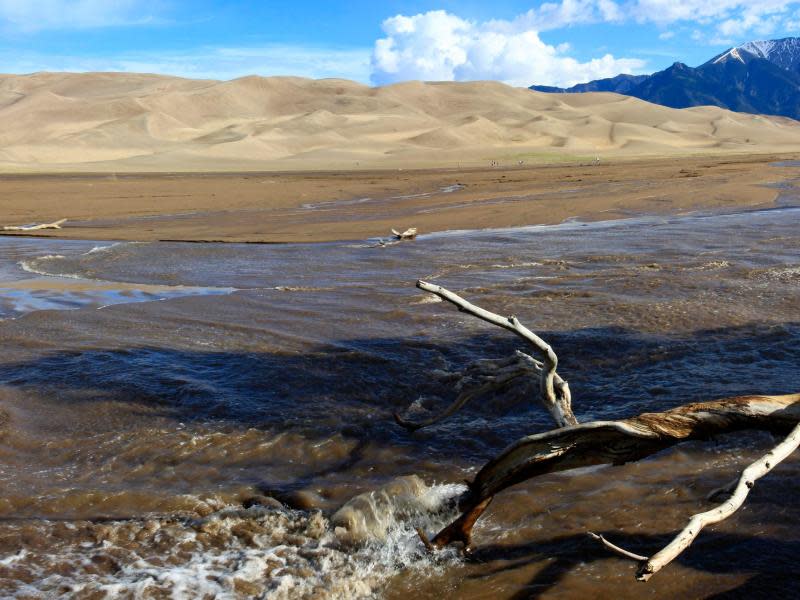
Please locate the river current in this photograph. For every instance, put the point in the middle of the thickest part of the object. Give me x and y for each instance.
(181, 420)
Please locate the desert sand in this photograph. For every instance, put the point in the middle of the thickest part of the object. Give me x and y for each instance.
(148, 157)
(131, 122)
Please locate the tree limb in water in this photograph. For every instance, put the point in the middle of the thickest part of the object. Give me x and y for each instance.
(652, 565)
(696, 524)
(54, 225)
(555, 393)
(628, 440)
(607, 442)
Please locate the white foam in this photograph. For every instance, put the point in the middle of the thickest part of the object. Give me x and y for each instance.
(520, 265)
(428, 299)
(35, 266)
(235, 553)
(787, 274)
(100, 249)
(14, 558)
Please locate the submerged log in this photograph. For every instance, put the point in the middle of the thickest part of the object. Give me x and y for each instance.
(608, 442)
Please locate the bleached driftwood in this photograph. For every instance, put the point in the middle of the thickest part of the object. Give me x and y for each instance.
(408, 234)
(54, 225)
(749, 476)
(616, 549)
(611, 442)
(619, 442)
(555, 393)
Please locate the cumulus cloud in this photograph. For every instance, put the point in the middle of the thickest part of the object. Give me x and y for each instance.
(439, 46)
(34, 15)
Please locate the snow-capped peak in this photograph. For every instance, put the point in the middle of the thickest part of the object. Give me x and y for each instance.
(760, 48)
(732, 54)
(784, 53)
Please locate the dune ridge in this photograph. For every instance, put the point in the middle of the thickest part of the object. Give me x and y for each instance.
(122, 121)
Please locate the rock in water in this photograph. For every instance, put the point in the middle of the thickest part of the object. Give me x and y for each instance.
(372, 515)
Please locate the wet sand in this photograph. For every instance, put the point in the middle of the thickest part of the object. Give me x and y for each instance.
(329, 206)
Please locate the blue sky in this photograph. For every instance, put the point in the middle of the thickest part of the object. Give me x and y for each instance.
(559, 42)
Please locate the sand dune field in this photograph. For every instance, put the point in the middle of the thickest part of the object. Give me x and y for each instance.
(132, 122)
(147, 157)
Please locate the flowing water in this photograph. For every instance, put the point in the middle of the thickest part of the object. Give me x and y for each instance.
(181, 420)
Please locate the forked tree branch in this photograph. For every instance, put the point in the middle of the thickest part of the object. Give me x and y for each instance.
(555, 391)
(755, 471)
(696, 524)
(605, 442)
(614, 442)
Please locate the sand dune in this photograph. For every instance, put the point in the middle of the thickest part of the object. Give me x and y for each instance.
(119, 121)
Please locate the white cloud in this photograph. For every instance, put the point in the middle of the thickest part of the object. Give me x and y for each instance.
(724, 18)
(729, 21)
(438, 45)
(443, 47)
(34, 15)
(556, 15)
(761, 25)
(793, 24)
(739, 18)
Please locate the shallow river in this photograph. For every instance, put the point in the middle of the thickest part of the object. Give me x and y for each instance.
(149, 391)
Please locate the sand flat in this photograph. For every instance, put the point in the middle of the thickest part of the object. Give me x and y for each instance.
(326, 206)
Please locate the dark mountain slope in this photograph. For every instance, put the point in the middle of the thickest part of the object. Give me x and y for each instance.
(757, 77)
(621, 84)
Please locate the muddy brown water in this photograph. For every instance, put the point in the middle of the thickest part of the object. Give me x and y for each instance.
(148, 391)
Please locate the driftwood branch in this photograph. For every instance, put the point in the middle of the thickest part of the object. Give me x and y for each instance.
(408, 234)
(555, 393)
(650, 566)
(614, 548)
(602, 442)
(54, 225)
(696, 524)
(615, 442)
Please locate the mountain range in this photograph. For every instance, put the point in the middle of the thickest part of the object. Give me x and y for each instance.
(761, 77)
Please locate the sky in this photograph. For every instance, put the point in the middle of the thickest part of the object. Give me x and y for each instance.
(559, 42)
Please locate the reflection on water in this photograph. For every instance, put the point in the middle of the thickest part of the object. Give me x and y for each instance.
(131, 438)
